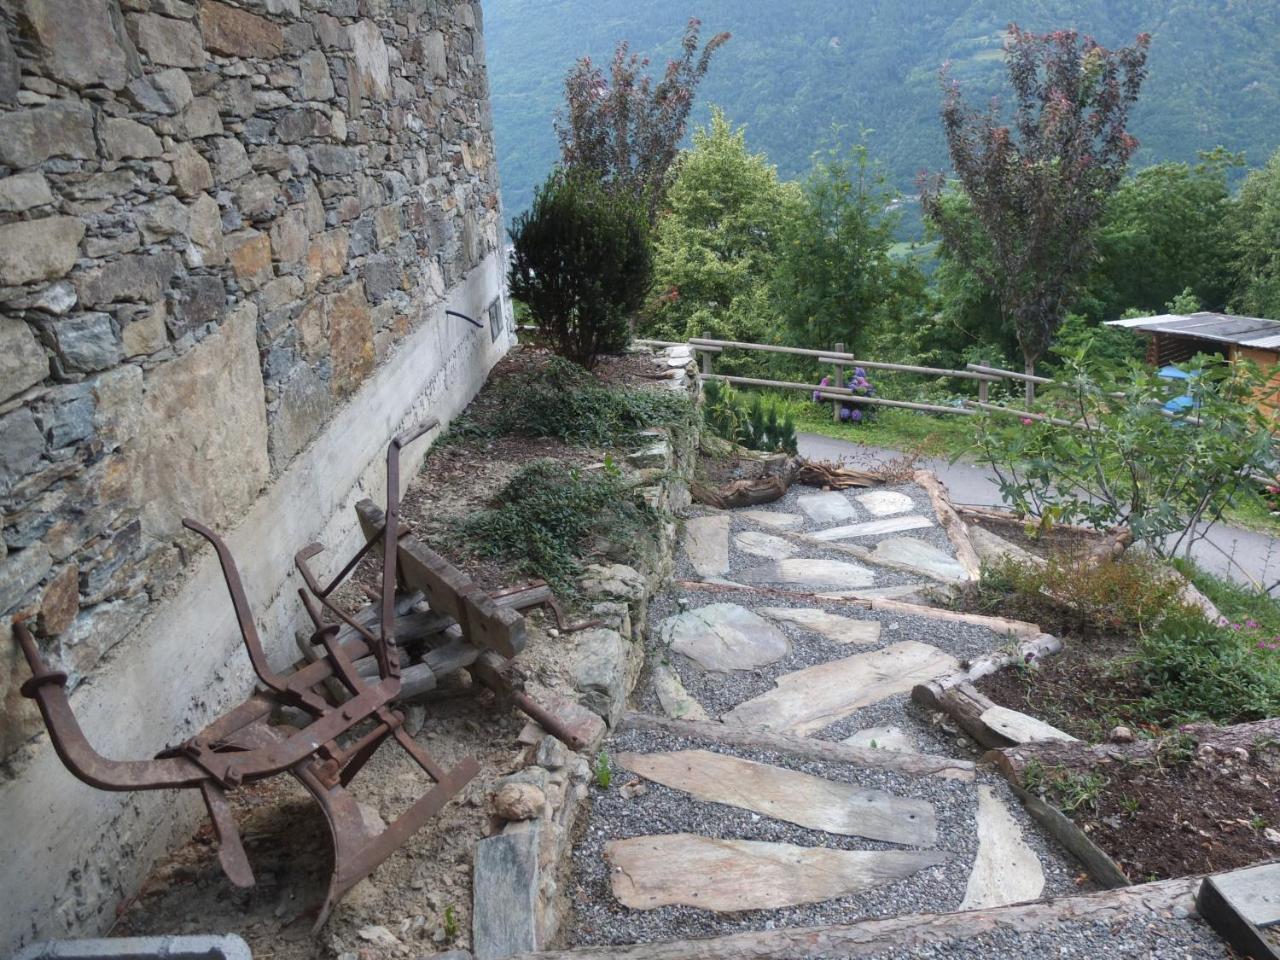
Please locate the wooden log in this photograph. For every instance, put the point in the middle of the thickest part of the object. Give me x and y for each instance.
(909, 764)
(833, 357)
(975, 713)
(1008, 374)
(740, 493)
(868, 938)
(954, 527)
(1013, 761)
(1001, 625)
(826, 394)
(1023, 414)
(826, 356)
(1101, 868)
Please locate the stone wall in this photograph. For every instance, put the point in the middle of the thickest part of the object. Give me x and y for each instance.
(229, 236)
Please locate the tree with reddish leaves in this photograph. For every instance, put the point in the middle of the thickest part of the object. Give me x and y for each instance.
(1037, 187)
(623, 128)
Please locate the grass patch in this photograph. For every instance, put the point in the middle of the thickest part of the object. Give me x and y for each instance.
(549, 516)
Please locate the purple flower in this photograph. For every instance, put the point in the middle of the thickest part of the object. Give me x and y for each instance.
(856, 416)
(846, 413)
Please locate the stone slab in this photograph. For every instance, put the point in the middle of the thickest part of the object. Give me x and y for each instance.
(505, 895)
(1006, 870)
(807, 700)
(798, 798)
(994, 549)
(675, 700)
(884, 738)
(727, 876)
(832, 626)
(1019, 727)
(766, 518)
(827, 508)
(1254, 892)
(875, 528)
(812, 574)
(724, 637)
(885, 503)
(921, 556)
(765, 545)
(706, 544)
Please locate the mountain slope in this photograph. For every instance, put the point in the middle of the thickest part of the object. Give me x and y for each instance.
(795, 68)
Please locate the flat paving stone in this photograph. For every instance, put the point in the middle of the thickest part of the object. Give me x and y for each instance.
(875, 528)
(994, 549)
(1019, 727)
(766, 518)
(1006, 870)
(829, 507)
(832, 626)
(920, 556)
(765, 545)
(727, 876)
(884, 738)
(706, 544)
(807, 700)
(885, 503)
(724, 637)
(798, 798)
(675, 700)
(813, 574)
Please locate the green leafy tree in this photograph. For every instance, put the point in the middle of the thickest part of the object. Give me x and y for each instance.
(581, 264)
(1039, 184)
(718, 239)
(835, 278)
(1257, 225)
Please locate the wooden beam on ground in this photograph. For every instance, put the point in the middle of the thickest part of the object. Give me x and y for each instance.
(1148, 901)
(909, 764)
(956, 530)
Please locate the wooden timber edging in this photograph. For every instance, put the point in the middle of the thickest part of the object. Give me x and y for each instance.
(808, 748)
(956, 529)
(873, 937)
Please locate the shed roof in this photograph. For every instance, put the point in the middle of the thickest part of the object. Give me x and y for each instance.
(1256, 332)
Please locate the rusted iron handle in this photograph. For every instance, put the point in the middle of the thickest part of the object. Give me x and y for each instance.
(47, 688)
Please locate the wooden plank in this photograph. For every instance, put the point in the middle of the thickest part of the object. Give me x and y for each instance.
(485, 624)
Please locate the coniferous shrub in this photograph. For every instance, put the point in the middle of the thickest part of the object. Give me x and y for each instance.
(582, 265)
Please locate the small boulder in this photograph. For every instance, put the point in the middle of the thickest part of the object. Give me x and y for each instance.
(1120, 735)
(519, 801)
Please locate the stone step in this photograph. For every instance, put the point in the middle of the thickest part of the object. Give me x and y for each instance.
(724, 637)
(764, 545)
(706, 544)
(1006, 870)
(798, 798)
(675, 700)
(832, 626)
(767, 518)
(826, 508)
(885, 503)
(814, 575)
(874, 528)
(920, 556)
(727, 876)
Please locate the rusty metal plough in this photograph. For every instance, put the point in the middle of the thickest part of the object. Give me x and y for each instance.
(338, 699)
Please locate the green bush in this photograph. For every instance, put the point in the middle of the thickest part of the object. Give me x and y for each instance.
(755, 425)
(582, 265)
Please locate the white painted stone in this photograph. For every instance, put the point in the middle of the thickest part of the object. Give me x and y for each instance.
(884, 738)
(1019, 727)
(798, 798)
(921, 556)
(706, 544)
(674, 699)
(829, 507)
(885, 503)
(779, 521)
(765, 545)
(724, 637)
(812, 574)
(1006, 869)
(727, 876)
(834, 627)
(875, 528)
(807, 700)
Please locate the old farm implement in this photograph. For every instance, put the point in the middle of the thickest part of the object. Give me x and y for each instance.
(322, 721)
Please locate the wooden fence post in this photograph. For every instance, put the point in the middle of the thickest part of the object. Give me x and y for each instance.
(835, 404)
(984, 391)
(706, 354)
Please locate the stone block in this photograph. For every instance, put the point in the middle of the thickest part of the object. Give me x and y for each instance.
(10, 80)
(201, 446)
(305, 405)
(238, 33)
(60, 602)
(505, 895)
(333, 35)
(200, 299)
(250, 255)
(332, 160)
(382, 277)
(230, 161)
(431, 51)
(123, 139)
(350, 338)
(81, 42)
(23, 191)
(19, 573)
(317, 84)
(34, 250)
(145, 334)
(166, 217)
(139, 276)
(600, 672)
(289, 236)
(32, 136)
(372, 65)
(257, 197)
(204, 228)
(86, 342)
(167, 42)
(67, 422)
(166, 93)
(299, 126)
(199, 119)
(21, 444)
(23, 363)
(327, 256)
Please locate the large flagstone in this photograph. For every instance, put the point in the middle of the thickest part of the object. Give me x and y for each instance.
(807, 700)
(706, 544)
(829, 507)
(875, 528)
(1006, 869)
(885, 503)
(724, 637)
(832, 626)
(811, 574)
(798, 798)
(920, 556)
(765, 545)
(767, 518)
(727, 876)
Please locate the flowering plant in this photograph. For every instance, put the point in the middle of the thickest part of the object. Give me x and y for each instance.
(851, 412)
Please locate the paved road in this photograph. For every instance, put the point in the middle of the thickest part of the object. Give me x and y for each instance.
(1229, 551)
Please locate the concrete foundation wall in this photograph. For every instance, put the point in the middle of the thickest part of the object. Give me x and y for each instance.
(230, 233)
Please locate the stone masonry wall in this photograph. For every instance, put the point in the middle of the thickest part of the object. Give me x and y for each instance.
(228, 230)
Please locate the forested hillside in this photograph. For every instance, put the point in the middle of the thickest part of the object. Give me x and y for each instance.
(795, 68)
